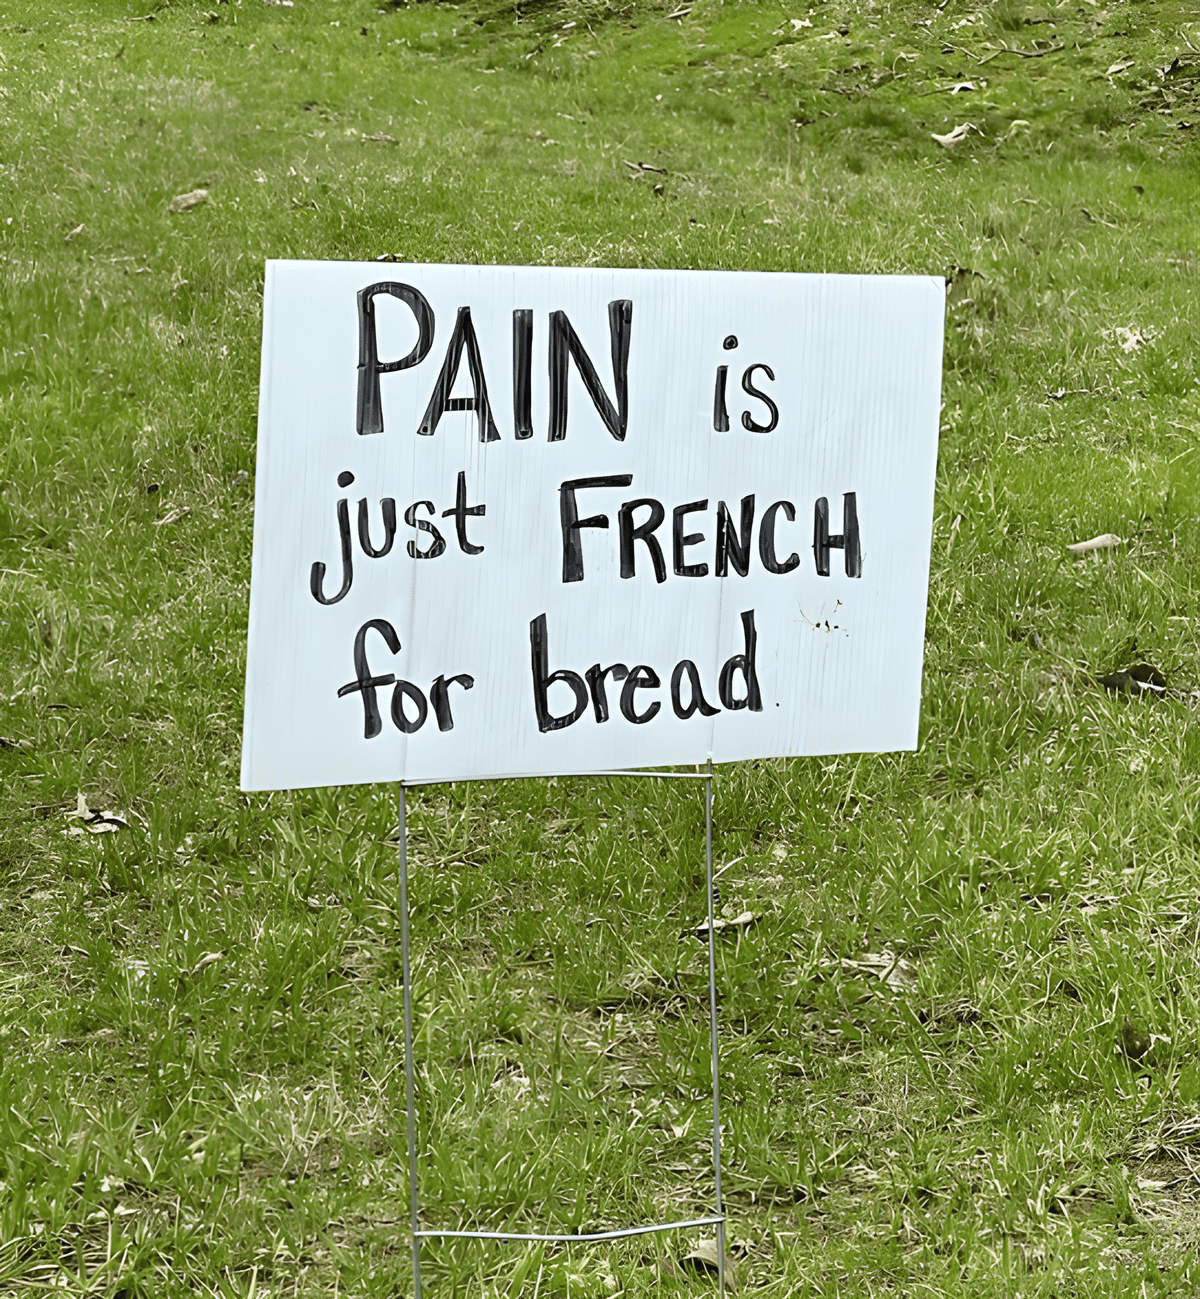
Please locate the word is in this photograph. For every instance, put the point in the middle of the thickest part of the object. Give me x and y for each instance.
(721, 410)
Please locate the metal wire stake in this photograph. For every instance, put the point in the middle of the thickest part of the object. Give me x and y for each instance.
(408, 1052)
(409, 1071)
(712, 1030)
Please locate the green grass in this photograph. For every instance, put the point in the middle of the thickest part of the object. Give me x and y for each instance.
(202, 1081)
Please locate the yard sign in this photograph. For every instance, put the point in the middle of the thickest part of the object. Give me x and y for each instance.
(521, 520)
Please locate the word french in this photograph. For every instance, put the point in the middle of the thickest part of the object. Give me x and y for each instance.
(732, 541)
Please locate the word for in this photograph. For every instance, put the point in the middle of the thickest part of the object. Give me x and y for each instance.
(732, 540)
(365, 684)
(460, 511)
(640, 678)
(564, 347)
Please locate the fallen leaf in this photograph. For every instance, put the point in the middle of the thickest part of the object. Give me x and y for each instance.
(1105, 541)
(1131, 339)
(1133, 1040)
(105, 822)
(1097, 220)
(951, 138)
(705, 1259)
(209, 958)
(957, 274)
(742, 922)
(894, 970)
(1118, 67)
(1021, 634)
(962, 85)
(950, 1014)
(670, 1270)
(1141, 679)
(185, 202)
(174, 516)
(797, 23)
(72, 233)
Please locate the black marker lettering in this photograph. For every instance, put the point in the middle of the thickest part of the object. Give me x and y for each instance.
(437, 546)
(461, 511)
(720, 409)
(565, 346)
(364, 682)
(847, 541)
(643, 532)
(441, 401)
(388, 509)
(522, 373)
(639, 678)
(680, 540)
(745, 664)
(568, 513)
(406, 690)
(316, 575)
(595, 679)
(439, 694)
(748, 387)
(732, 549)
(688, 668)
(766, 539)
(369, 417)
(543, 679)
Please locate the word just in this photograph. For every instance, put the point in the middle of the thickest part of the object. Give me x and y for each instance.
(563, 347)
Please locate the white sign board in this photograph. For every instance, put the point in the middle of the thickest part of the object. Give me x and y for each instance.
(521, 520)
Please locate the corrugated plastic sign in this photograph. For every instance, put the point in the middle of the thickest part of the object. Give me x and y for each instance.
(521, 520)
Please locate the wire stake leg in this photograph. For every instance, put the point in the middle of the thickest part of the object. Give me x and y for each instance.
(408, 1053)
(712, 1027)
(409, 1080)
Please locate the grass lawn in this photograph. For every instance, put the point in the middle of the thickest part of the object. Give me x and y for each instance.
(201, 1083)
